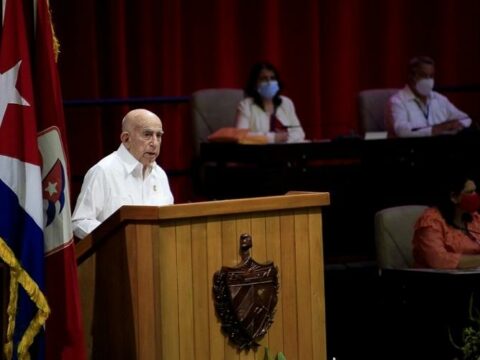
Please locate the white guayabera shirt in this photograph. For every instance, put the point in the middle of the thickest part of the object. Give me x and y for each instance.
(114, 181)
(406, 116)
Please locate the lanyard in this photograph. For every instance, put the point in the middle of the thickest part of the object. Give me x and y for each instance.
(425, 109)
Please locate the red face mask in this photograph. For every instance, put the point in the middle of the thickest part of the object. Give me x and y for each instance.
(470, 202)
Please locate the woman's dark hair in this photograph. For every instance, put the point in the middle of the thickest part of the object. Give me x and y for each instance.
(251, 87)
(452, 184)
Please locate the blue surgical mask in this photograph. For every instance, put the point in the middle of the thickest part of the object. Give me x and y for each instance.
(268, 89)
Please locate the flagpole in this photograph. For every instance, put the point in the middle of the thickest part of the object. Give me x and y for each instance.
(35, 15)
(3, 10)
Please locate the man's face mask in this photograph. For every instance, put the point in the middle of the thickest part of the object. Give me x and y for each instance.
(424, 86)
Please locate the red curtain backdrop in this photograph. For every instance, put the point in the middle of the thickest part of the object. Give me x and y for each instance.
(326, 51)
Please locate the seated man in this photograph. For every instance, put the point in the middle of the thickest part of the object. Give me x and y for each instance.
(128, 176)
(417, 110)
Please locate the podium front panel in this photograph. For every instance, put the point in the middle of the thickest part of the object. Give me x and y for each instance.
(151, 296)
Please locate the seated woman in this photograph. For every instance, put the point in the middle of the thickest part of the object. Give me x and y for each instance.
(264, 111)
(447, 236)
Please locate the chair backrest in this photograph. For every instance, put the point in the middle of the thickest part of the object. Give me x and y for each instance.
(394, 228)
(213, 109)
(371, 106)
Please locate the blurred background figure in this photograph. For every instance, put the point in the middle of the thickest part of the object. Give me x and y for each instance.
(417, 110)
(264, 111)
(447, 235)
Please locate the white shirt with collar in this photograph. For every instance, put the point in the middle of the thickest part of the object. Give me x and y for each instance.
(407, 116)
(251, 116)
(114, 181)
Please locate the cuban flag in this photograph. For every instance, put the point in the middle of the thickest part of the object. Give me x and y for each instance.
(36, 240)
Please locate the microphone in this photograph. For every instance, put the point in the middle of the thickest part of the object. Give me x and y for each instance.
(469, 233)
(467, 218)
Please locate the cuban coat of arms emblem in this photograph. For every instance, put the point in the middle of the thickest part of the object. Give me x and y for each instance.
(245, 297)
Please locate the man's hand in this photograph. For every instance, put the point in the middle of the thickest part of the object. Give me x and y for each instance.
(447, 127)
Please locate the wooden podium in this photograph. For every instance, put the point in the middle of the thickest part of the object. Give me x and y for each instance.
(146, 277)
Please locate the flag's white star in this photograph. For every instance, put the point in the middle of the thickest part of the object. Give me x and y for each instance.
(8, 91)
(51, 188)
